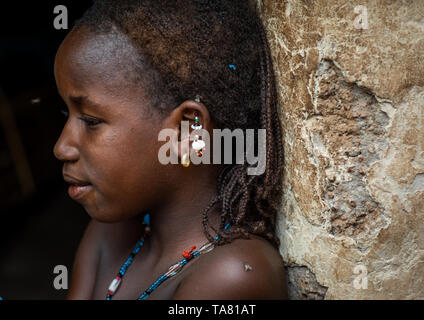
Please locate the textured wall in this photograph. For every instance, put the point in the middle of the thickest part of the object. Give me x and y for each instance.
(352, 104)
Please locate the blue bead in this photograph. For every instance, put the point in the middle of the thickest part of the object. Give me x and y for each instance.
(147, 219)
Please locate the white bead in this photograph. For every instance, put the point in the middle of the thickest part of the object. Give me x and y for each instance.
(173, 270)
(114, 285)
(206, 248)
(196, 127)
(199, 144)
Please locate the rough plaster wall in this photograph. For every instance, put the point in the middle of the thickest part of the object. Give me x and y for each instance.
(353, 116)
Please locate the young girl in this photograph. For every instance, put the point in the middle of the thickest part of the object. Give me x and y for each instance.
(129, 69)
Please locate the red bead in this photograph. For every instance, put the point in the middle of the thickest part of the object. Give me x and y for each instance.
(187, 253)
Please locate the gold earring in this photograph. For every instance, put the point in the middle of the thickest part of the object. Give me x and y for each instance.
(185, 160)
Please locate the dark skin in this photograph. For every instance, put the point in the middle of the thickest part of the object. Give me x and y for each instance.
(115, 151)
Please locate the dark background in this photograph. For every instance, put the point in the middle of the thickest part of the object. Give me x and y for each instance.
(40, 226)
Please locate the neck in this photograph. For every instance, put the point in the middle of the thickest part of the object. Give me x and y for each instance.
(176, 225)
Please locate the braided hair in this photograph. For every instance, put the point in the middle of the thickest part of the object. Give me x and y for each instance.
(186, 48)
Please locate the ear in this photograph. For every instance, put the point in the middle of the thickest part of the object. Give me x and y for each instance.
(186, 112)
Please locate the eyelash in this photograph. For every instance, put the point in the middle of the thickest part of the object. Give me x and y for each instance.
(90, 122)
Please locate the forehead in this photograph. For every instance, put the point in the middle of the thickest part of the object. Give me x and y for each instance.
(88, 62)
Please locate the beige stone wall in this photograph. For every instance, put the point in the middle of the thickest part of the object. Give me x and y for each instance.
(352, 104)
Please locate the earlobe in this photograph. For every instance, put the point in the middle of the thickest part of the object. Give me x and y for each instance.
(181, 147)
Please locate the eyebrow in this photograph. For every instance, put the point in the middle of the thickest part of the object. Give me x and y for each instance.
(80, 100)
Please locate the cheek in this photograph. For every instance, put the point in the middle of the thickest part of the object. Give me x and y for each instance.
(127, 176)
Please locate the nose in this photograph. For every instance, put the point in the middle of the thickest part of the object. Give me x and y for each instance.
(65, 148)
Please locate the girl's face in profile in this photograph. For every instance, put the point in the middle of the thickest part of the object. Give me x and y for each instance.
(109, 142)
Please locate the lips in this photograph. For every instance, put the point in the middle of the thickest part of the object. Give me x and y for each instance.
(78, 188)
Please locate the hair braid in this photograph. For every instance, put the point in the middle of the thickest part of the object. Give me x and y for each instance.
(185, 48)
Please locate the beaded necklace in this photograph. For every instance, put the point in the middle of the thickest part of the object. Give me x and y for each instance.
(188, 255)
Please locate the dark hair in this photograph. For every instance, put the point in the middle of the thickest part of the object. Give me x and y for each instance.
(189, 47)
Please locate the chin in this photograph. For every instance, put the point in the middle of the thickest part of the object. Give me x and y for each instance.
(99, 215)
(106, 215)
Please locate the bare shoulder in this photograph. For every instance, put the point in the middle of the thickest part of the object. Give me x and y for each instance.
(99, 240)
(242, 270)
(85, 262)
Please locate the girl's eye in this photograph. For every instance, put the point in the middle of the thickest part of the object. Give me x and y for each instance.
(91, 122)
